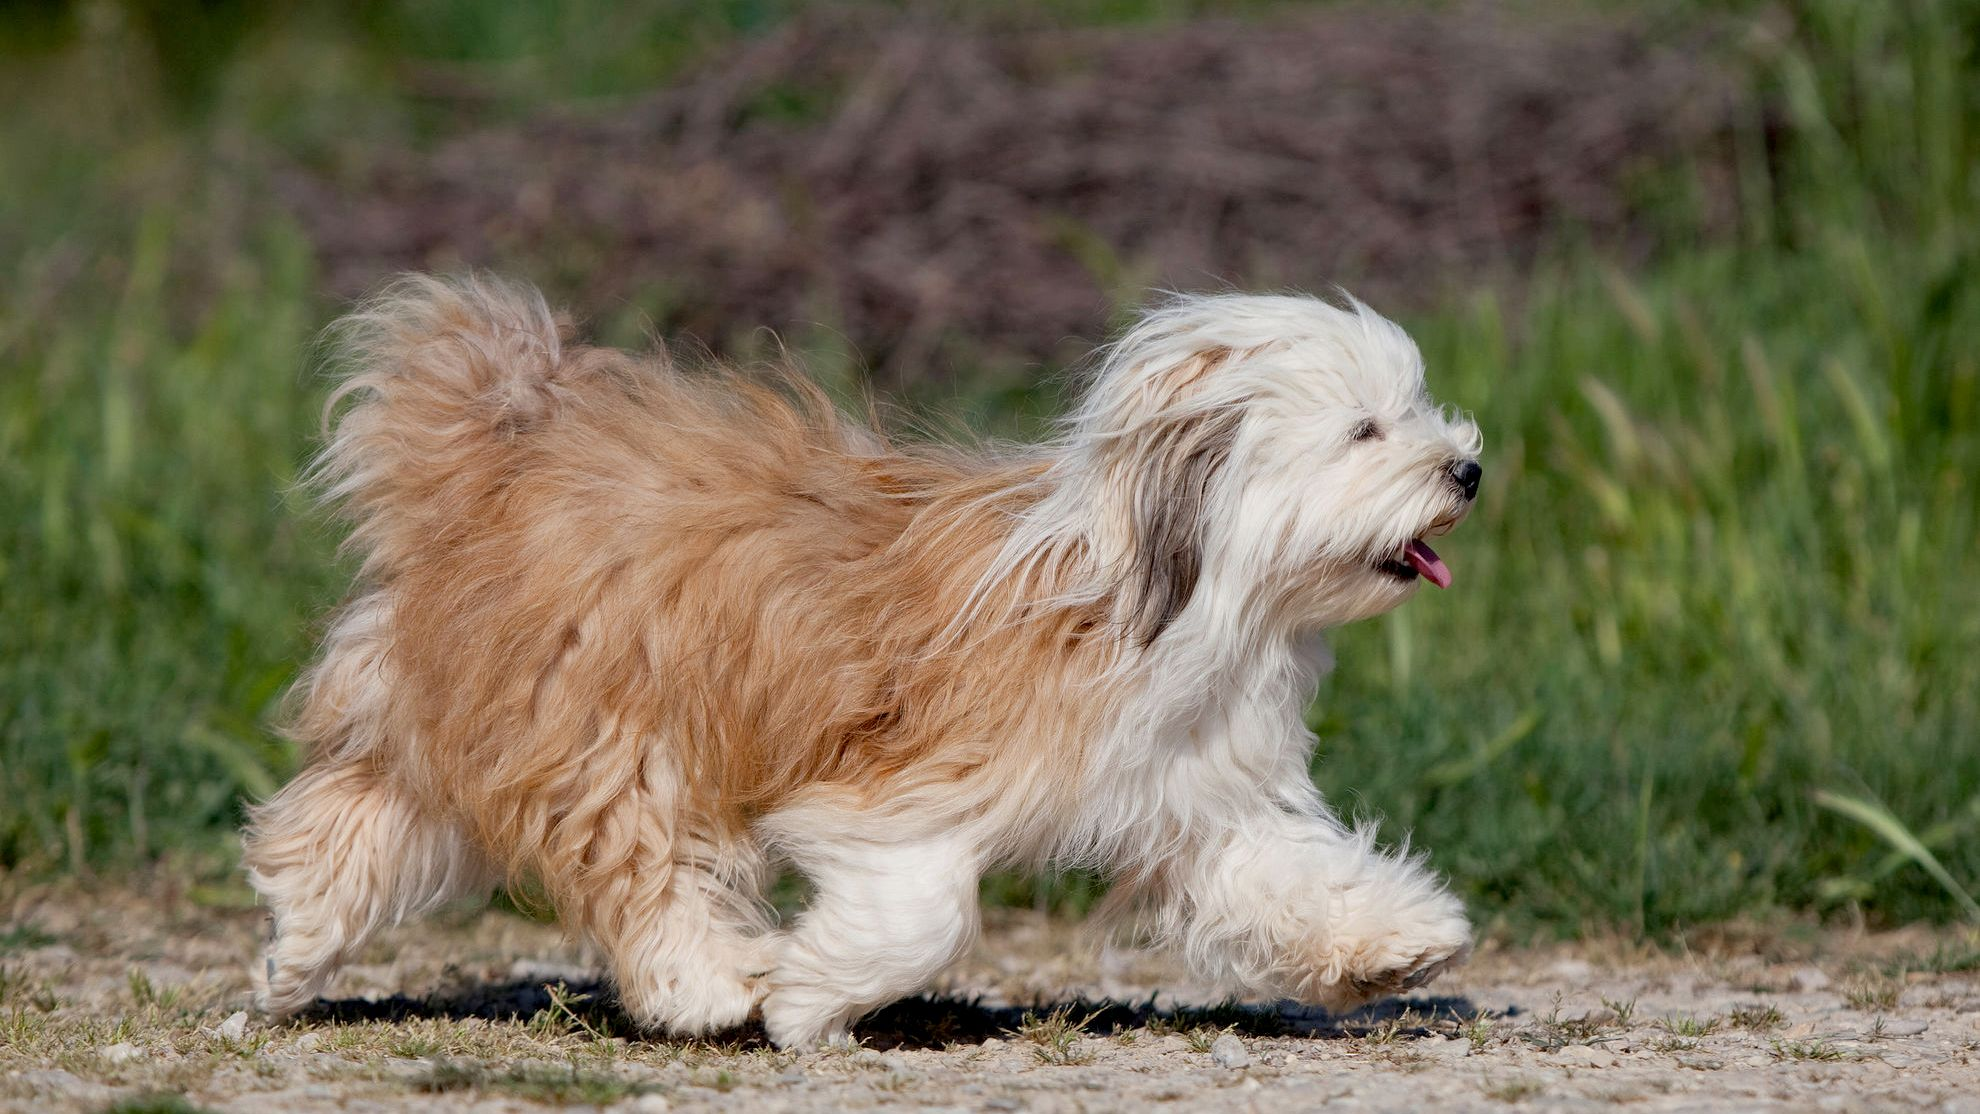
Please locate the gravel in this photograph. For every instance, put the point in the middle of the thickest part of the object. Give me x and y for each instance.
(133, 995)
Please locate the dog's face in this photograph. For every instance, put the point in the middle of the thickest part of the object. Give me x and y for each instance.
(1351, 467)
(1281, 449)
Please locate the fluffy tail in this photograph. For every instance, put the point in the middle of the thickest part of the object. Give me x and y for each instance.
(435, 373)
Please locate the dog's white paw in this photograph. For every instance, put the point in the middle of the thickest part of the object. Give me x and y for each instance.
(1356, 967)
(806, 1017)
(705, 1002)
(1397, 973)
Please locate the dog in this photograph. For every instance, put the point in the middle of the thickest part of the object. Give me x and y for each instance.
(645, 635)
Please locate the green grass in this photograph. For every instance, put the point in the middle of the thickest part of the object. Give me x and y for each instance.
(1725, 558)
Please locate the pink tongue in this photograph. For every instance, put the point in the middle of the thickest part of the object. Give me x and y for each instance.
(1425, 560)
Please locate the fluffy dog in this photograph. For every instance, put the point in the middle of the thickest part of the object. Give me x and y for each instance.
(646, 635)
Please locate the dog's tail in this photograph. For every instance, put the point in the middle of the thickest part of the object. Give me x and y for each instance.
(434, 375)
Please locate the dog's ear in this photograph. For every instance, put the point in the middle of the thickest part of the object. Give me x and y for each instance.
(1182, 457)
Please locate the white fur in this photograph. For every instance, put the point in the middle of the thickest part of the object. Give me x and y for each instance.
(1195, 796)
(1199, 801)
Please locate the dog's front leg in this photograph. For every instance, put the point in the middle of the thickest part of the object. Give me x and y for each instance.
(887, 914)
(1298, 905)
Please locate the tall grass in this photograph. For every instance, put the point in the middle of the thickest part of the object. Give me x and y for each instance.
(1725, 559)
(1727, 555)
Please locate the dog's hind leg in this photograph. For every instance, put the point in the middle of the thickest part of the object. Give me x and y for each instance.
(686, 936)
(337, 855)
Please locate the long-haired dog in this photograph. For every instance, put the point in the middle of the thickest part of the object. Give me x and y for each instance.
(647, 635)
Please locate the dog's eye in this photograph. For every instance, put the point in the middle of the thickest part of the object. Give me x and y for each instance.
(1367, 429)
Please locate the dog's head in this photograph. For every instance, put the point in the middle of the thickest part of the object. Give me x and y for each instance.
(1237, 452)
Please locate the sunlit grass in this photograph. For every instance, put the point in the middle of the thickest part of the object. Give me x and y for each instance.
(1724, 573)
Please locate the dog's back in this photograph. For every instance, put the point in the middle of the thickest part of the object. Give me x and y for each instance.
(605, 601)
(645, 634)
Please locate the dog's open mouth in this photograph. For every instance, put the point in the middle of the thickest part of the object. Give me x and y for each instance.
(1418, 559)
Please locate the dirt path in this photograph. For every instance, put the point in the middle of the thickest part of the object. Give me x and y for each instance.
(107, 998)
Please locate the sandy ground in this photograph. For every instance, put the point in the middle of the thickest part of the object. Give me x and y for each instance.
(113, 998)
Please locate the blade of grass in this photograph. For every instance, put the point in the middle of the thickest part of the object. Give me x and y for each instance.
(1891, 830)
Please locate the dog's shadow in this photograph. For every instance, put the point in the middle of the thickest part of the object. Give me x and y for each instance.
(928, 1022)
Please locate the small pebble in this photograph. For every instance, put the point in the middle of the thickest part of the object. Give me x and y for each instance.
(1228, 1052)
(123, 1052)
(790, 1078)
(234, 1028)
(1591, 1016)
(1588, 1056)
(1905, 1028)
(1443, 1048)
(1809, 979)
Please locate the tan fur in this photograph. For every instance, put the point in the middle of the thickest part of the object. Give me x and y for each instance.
(611, 599)
(643, 634)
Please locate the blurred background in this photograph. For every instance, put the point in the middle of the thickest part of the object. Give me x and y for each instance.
(1705, 273)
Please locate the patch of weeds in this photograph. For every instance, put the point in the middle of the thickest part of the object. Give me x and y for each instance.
(1552, 1032)
(1686, 1025)
(1514, 1090)
(542, 1083)
(1056, 1037)
(146, 994)
(722, 1080)
(21, 1029)
(156, 1103)
(345, 1038)
(1674, 1044)
(1876, 1032)
(1806, 1050)
(1478, 1032)
(1203, 1036)
(698, 1052)
(247, 1046)
(15, 986)
(1871, 994)
(1946, 959)
(567, 1085)
(1757, 1018)
(23, 936)
(848, 1048)
(1385, 1034)
(561, 1016)
(444, 1075)
(414, 1046)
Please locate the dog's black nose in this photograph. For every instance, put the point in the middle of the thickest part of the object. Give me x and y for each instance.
(1467, 473)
